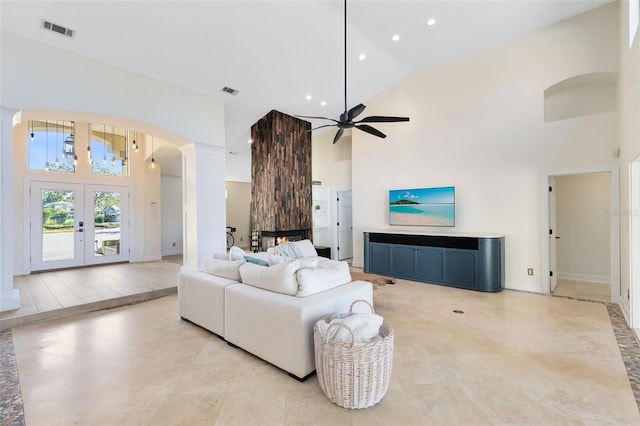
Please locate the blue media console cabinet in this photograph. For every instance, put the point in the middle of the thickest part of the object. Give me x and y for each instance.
(469, 262)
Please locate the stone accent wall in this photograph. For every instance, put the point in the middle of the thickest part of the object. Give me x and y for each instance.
(281, 174)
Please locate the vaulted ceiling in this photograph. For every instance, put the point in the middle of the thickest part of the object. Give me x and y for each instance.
(276, 54)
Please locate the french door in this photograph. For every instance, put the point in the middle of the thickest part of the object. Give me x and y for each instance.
(78, 224)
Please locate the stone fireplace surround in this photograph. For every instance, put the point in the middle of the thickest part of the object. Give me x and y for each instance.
(281, 179)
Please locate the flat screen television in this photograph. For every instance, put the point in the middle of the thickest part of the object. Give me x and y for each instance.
(423, 206)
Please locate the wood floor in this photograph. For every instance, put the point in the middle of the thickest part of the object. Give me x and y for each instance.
(55, 294)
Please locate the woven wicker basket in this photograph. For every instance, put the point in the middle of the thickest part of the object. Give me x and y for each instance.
(351, 375)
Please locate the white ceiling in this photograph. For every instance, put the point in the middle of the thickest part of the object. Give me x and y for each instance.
(277, 52)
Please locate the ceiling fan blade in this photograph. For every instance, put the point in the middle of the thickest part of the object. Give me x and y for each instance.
(319, 118)
(355, 111)
(382, 119)
(338, 135)
(320, 127)
(371, 130)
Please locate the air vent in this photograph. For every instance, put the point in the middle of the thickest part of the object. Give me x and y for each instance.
(50, 26)
(229, 90)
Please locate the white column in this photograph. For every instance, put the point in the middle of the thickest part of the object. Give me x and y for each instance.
(9, 297)
(204, 205)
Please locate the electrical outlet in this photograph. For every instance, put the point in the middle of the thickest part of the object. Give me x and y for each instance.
(529, 271)
(241, 239)
(173, 244)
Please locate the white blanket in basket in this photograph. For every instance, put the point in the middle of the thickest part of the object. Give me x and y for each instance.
(365, 328)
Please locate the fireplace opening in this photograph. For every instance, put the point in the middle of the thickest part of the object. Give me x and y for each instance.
(274, 238)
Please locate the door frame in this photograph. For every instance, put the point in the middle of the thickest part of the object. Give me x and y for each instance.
(67, 181)
(614, 225)
(634, 243)
(553, 235)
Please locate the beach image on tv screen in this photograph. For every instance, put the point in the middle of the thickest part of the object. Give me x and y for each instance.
(422, 206)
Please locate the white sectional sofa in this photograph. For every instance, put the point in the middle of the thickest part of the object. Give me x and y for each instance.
(269, 311)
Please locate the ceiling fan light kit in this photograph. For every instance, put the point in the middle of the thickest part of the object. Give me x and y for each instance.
(347, 118)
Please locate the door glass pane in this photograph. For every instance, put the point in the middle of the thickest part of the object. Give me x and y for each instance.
(106, 223)
(58, 225)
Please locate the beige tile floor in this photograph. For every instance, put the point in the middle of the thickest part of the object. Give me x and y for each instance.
(583, 290)
(512, 358)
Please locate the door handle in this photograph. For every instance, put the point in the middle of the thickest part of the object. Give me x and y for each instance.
(557, 238)
(80, 230)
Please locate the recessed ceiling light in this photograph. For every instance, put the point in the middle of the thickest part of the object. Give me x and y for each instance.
(362, 57)
(395, 37)
(431, 22)
(308, 97)
(323, 103)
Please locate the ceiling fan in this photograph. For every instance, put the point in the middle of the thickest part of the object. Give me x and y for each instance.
(347, 118)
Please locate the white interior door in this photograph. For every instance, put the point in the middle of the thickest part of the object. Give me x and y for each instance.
(345, 226)
(553, 260)
(75, 225)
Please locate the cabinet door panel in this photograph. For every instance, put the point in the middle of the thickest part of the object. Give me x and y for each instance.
(380, 258)
(431, 264)
(403, 261)
(462, 268)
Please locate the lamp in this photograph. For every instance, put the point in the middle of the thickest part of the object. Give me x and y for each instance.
(125, 160)
(104, 146)
(31, 134)
(135, 145)
(152, 165)
(72, 137)
(57, 137)
(46, 144)
(89, 159)
(113, 144)
(68, 146)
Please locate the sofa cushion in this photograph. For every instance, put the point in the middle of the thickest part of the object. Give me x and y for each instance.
(236, 253)
(306, 248)
(223, 268)
(277, 278)
(312, 281)
(295, 249)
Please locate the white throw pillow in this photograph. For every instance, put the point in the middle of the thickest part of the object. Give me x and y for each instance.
(236, 253)
(306, 248)
(279, 278)
(274, 259)
(228, 269)
(312, 281)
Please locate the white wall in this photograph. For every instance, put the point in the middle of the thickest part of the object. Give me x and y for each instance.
(331, 165)
(171, 196)
(477, 123)
(74, 83)
(629, 143)
(583, 215)
(239, 211)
